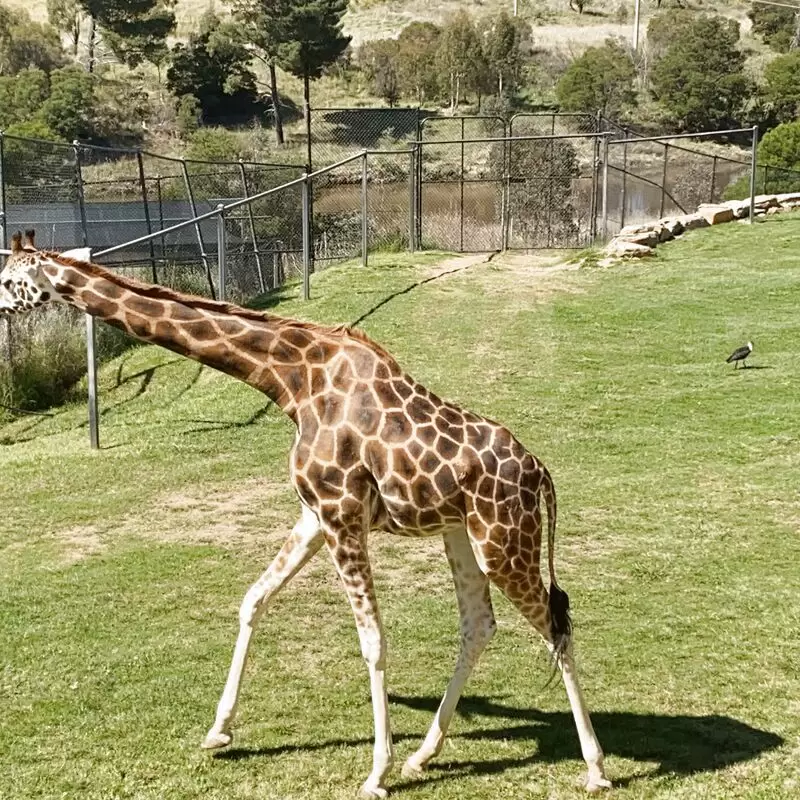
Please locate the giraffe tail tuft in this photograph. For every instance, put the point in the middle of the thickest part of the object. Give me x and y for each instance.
(558, 602)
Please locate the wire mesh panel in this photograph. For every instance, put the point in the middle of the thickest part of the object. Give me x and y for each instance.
(652, 179)
(337, 132)
(551, 192)
(41, 191)
(553, 124)
(461, 178)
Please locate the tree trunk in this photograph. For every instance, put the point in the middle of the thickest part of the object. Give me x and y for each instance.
(795, 43)
(307, 115)
(276, 103)
(500, 83)
(91, 44)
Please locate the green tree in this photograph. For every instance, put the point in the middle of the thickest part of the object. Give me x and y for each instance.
(67, 17)
(780, 147)
(189, 114)
(260, 24)
(70, 108)
(24, 43)
(505, 39)
(136, 30)
(311, 38)
(22, 95)
(378, 60)
(700, 80)
(214, 69)
(461, 58)
(600, 79)
(664, 29)
(781, 90)
(775, 24)
(418, 44)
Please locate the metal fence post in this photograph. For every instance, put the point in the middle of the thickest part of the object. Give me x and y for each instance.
(664, 182)
(198, 232)
(79, 188)
(713, 179)
(624, 199)
(753, 165)
(461, 193)
(3, 232)
(91, 334)
(364, 211)
(306, 202)
(146, 204)
(605, 187)
(161, 218)
(221, 253)
(252, 220)
(412, 200)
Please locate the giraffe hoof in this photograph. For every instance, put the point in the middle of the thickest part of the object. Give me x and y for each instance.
(372, 790)
(216, 739)
(595, 785)
(411, 770)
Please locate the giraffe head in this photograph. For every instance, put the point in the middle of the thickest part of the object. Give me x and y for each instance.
(23, 283)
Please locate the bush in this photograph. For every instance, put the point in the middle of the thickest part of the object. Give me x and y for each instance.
(212, 144)
(602, 78)
(44, 356)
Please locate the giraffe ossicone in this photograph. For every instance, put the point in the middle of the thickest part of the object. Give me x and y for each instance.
(374, 450)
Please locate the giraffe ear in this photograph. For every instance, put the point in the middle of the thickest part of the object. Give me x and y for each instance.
(28, 241)
(16, 242)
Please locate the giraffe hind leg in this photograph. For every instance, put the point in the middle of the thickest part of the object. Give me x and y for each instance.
(549, 614)
(477, 628)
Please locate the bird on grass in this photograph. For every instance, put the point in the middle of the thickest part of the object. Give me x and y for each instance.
(740, 354)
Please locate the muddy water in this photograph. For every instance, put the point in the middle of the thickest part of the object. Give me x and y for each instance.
(444, 226)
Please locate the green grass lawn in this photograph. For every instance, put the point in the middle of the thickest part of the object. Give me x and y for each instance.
(121, 571)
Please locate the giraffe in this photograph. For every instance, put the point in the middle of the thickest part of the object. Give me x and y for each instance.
(374, 450)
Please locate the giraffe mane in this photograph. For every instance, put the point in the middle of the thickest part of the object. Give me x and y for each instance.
(203, 303)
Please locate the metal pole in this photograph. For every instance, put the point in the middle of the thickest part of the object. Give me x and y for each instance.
(305, 195)
(713, 179)
(3, 221)
(262, 284)
(664, 181)
(203, 255)
(636, 10)
(221, 252)
(364, 212)
(624, 182)
(461, 194)
(91, 336)
(753, 165)
(605, 187)
(146, 204)
(595, 185)
(161, 218)
(412, 201)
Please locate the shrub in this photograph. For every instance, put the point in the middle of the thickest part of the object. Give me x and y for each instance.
(44, 356)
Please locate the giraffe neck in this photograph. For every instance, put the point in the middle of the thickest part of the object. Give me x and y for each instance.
(263, 351)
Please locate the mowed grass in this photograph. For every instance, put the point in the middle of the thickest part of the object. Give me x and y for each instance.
(121, 571)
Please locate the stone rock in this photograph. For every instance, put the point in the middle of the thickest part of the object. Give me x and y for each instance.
(672, 226)
(631, 230)
(766, 201)
(715, 214)
(740, 208)
(774, 210)
(691, 222)
(622, 248)
(788, 198)
(649, 238)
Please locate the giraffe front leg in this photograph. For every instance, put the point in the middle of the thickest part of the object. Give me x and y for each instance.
(349, 553)
(304, 541)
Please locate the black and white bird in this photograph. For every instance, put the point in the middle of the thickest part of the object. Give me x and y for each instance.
(740, 354)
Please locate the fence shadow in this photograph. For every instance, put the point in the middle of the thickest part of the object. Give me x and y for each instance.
(681, 744)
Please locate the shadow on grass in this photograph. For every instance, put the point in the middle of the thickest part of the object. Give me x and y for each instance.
(680, 744)
(413, 286)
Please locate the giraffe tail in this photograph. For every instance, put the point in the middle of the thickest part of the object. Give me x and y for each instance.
(558, 601)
